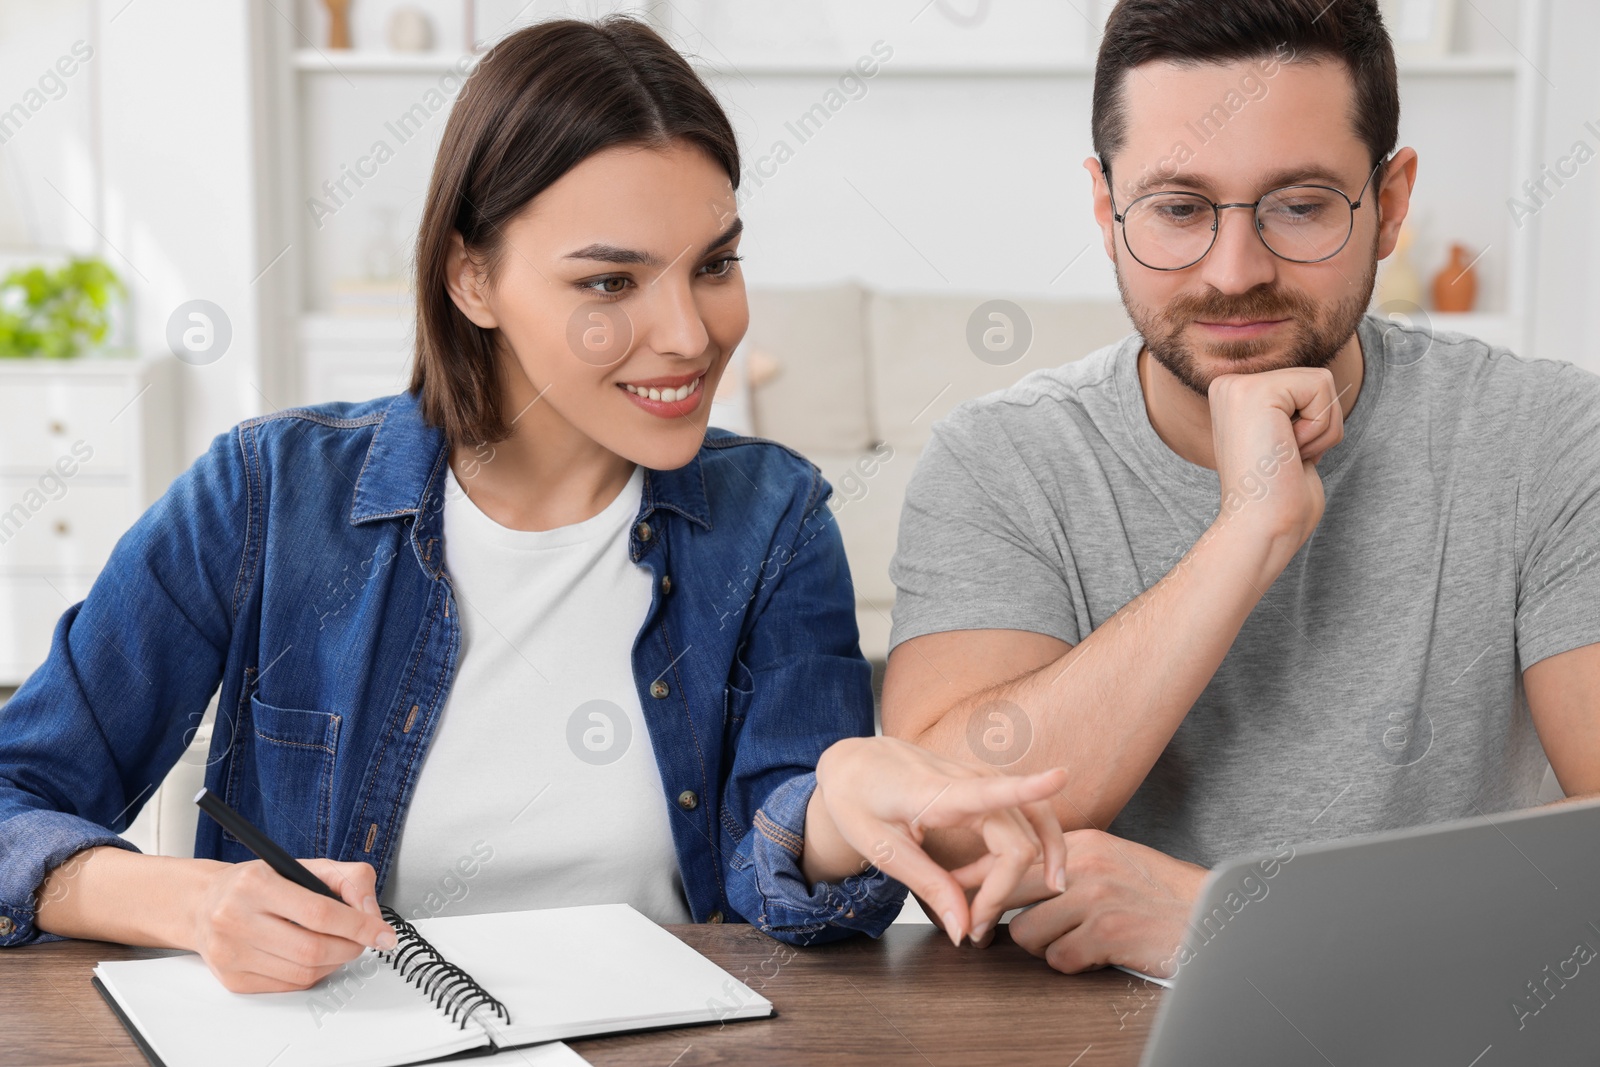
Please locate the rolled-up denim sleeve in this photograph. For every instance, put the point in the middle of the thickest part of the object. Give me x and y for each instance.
(776, 890)
(801, 684)
(34, 844)
(131, 668)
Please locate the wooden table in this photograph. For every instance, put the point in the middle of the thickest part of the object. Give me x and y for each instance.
(907, 998)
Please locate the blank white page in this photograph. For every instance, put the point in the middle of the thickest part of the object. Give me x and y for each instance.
(192, 1020)
(601, 968)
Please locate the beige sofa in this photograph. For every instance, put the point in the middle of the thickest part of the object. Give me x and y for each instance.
(862, 376)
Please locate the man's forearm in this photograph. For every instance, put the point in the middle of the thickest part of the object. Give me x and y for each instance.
(1107, 708)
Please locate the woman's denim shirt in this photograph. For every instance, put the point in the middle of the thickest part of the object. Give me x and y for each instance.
(299, 562)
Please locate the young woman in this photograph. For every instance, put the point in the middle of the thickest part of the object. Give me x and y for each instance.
(527, 635)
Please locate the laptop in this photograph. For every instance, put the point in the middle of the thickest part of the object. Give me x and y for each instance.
(1473, 943)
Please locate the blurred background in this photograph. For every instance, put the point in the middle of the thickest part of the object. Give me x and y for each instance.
(207, 206)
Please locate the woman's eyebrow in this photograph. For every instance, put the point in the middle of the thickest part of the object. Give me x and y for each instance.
(734, 230)
(612, 254)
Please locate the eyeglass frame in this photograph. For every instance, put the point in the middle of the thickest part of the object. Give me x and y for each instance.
(1255, 209)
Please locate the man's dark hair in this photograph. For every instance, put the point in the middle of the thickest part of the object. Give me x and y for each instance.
(1192, 32)
(541, 101)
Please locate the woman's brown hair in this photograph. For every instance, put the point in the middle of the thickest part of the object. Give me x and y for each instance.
(540, 102)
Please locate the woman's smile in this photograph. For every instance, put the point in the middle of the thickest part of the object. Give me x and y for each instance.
(667, 398)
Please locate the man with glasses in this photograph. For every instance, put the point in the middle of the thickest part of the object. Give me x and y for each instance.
(1272, 569)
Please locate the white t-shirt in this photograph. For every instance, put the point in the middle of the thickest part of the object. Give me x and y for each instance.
(540, 787)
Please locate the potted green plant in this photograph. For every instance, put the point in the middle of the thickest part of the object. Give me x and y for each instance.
(57, 313)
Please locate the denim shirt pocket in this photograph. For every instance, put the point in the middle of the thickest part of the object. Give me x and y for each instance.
(737, 694)
(736, 697)
(289, 770)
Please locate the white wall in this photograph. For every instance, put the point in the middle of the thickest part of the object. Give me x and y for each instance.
(1567, 297)
(48, 195)
(961, 183)
(181, 189)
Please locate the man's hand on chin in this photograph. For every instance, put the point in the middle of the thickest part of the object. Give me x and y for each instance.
(1124, 903)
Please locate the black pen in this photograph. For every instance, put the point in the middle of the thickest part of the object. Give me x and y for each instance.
(262, 845)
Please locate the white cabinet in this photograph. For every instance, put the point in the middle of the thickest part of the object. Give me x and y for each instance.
(85, 446)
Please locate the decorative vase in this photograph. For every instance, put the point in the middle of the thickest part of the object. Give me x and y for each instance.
(384, 256)
(338, 23)
(410, 30)
(1455, 288)
(1400, 284)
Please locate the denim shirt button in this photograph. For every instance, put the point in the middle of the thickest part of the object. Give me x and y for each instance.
(6, 926)
(642, 531)
(659, 689)
(687, 800)
(666, 583)
(714, 917)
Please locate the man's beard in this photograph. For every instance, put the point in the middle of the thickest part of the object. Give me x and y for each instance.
(1316, 333)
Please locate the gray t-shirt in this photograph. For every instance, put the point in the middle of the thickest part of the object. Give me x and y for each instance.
(1378, 682)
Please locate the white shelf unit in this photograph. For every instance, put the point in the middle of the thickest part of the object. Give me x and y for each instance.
(86, 446)
(364, 61)
(332, 104)
(337, 61)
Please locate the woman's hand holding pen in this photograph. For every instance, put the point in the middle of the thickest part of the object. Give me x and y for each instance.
(256, 930)
(877, 798)
(260, 933)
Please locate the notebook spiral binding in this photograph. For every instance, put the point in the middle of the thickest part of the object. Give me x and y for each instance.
(448, 986)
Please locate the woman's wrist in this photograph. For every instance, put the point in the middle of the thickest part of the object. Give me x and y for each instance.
(177, 921)
(108, 893)
(826, 855)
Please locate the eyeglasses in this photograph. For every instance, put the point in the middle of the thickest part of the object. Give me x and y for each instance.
(1299, 223)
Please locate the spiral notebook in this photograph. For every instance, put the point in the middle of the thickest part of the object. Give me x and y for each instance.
(468, 985)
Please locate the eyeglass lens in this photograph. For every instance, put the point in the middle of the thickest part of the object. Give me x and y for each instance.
(1303, 223)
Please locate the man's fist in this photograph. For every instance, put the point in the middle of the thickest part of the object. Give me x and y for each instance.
(1268, 431)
